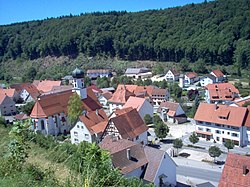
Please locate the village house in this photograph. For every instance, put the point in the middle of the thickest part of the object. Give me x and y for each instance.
(104, 98)
(137, 73)
(220, 77)
(191, 78)
(89, 127)
(222, 122)
(172, 75)
(95, 73)
(7, 105)
(144, 162)
(236, 171)
(142, 105)
(127, 124)
(172, 112)
(11, 93)
(27, 91)
(49, 113)
(68, 79)
(221, 93)
(208, 79)
(153, 94)
(119, 98)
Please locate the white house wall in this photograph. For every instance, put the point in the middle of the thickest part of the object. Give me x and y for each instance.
(146, 108)
(168, 168)
(220, 132)
(80, 133)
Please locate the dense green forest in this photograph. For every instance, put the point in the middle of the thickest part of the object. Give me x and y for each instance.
(217, 32)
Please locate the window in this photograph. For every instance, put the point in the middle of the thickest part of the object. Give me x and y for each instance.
(208, 123)
(217, 132)
(76, 133)
(222, 132)
(218, 125)
(208, 130)
(235, 128)
(217, 139)
(86, 136)
(78, 126)
(228, 133)
(76, 140)
(234, 134)
(82, 127)
(137, 137)
(200, 128)
(42, 125)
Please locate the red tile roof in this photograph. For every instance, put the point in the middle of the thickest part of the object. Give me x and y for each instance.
(222, 91)
(95, 121)
(30, 88)
(8, 92)
(169, 105)
(130, 124)
(46, 85)
(56, 103)
(232, 174)
(122, 111)
(217, 73)
(175, 72)
(95, 89)
(221, 114)
(121, 95)
(107, 95)
(118, 150)
(135, 102)
(144, 155)
(191, 75)
(21, 117)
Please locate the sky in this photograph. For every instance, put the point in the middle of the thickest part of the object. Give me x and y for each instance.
(13, 11)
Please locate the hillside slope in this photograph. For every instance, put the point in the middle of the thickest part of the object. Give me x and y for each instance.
(217, 31)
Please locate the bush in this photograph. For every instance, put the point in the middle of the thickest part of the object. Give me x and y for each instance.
(148, 119)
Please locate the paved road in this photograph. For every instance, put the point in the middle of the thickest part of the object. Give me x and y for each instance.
(208, 175)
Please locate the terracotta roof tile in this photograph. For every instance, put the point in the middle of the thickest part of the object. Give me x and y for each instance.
(58, 102)
(8, 92)
(232, 174)
(169, 105)
(222, 91)
(121, 95)
(191, 75)
(221, 114)
(175, 72)
(247, 123)
(21, 117)
(93, 120)
(107, 95)
(135, 102)
(46, 85)
(129, 124)
(218, 73)
(30, 88)
(122, 111)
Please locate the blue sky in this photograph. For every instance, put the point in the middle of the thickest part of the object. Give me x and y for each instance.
(12, 11)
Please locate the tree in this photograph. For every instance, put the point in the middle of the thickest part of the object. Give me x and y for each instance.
(148, 119)
(161, 130)
(156, 119)
(193, 138)
(214, 152)
(229, 144)
(184, 65)
(75, 108)
(177, 143)
(28, 107)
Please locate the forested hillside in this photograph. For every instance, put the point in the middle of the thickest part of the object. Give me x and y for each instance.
(217, 32)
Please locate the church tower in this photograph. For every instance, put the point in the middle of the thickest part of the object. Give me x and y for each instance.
(78, 83)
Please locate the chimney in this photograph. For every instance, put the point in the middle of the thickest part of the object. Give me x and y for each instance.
(215, 106)
(245, 170)
(128, 154)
